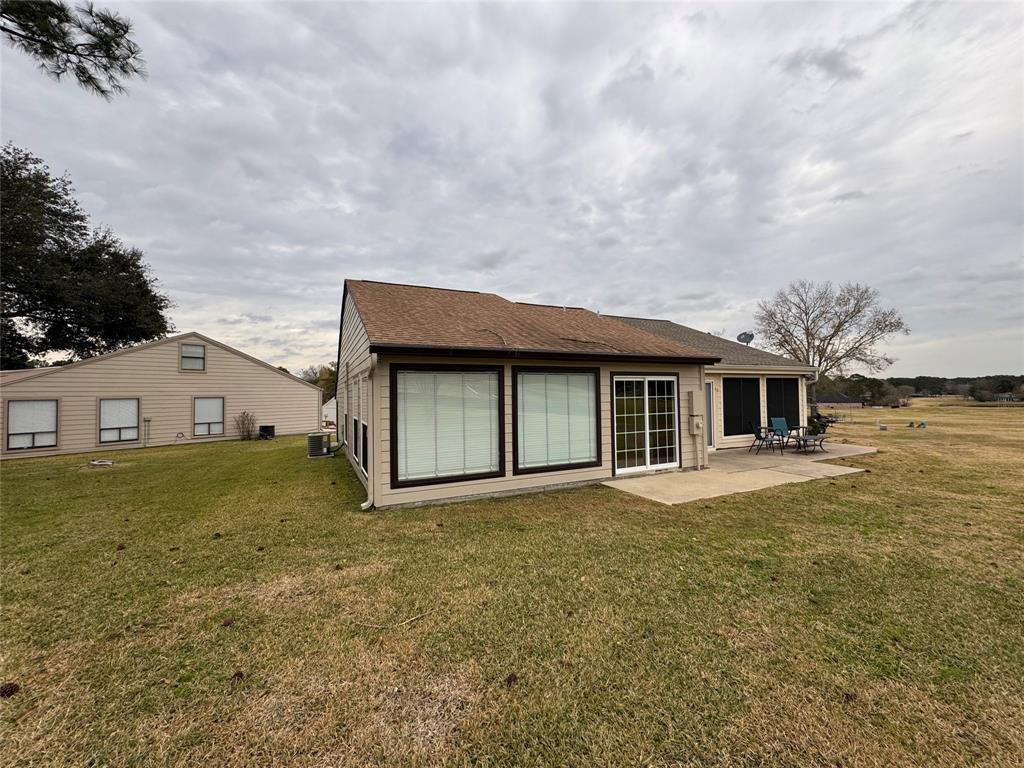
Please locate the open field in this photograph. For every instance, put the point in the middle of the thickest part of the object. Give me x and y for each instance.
(227, 604)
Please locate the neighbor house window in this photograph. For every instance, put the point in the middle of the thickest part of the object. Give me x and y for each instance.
(556, 419)
(31, 424)
(119, 420)
(741, 405)
(446, 424)
(209, 416)
(193, 357)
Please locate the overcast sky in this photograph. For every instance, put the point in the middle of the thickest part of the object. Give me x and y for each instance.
(677, 162)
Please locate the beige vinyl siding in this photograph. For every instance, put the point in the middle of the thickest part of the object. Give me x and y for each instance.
(151, 374)
(738, 441)
(354, 362)
(690, 378)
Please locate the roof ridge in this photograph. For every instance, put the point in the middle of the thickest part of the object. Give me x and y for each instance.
(424, 287)
(556, 306)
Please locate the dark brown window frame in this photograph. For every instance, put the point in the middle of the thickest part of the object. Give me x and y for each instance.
(364, 460)
(99, 421)
(516, 370)
(394, 370)
(7, 423)
(182, 356)
(679, 412)
(223, 415)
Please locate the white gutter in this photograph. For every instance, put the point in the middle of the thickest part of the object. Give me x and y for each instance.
(373, 427)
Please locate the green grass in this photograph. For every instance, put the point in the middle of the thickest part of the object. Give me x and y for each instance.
(228, 604)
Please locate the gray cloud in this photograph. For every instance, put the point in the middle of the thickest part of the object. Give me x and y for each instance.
(845, 197)
(833, 63)
(638, 160)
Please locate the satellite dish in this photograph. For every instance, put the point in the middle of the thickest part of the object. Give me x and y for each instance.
(746, 337)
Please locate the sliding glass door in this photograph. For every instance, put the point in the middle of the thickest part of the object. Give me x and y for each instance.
(646, 423)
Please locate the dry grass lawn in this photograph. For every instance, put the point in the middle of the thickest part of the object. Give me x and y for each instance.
(229, 605)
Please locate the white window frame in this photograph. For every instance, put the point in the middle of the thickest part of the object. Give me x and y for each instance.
(647, 466)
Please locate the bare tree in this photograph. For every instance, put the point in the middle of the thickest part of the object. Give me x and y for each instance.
(832, 328)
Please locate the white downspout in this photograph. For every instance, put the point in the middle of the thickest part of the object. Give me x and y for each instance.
(372, 463)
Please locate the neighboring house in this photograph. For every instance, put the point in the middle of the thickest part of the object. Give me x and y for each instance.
(445, 394)
(1004, 397)
(836, 400)
(179, 390)
(746, 388)
(329, 412)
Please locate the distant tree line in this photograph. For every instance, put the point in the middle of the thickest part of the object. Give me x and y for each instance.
(898, 390)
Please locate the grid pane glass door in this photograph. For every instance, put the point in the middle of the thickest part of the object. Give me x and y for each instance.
(646, 423)
(661, 422)
(630, 418)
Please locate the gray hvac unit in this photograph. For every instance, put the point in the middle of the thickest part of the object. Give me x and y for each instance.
(318, 444)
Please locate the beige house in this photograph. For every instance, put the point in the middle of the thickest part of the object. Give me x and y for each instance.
(181, 390)
(445, 394)
(746, 388)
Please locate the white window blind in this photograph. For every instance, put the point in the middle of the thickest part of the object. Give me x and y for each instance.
(193, 357)
(31, 423)
(209, 416)
(556, 419)
(447, 424)
(119, 420)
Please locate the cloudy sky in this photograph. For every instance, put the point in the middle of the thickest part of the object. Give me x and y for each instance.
(676, 161)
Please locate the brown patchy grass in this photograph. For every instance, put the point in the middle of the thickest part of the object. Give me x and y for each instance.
(229, 605)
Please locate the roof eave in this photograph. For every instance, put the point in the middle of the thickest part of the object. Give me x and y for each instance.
(536, 354)
(738, 367)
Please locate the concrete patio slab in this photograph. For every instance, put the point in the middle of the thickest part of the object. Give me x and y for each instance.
(736, 471)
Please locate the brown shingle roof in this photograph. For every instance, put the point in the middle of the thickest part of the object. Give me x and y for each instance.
(412, 317)
(730, 352)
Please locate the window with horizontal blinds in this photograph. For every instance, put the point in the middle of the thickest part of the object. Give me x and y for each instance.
(447, 424)
(119, 420)
(556, 419)
(31, 424)
(209, 416)
(741, 405)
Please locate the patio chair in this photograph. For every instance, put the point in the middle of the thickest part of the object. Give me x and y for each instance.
(763, 436)
(782, 430)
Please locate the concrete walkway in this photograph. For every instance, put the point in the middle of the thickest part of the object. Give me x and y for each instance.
(736, 471)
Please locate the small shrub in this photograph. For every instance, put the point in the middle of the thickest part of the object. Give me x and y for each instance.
(245, 425)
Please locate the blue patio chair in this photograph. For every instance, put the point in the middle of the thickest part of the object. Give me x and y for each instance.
(782, 430)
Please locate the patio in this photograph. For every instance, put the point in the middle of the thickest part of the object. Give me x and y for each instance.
(737, 471)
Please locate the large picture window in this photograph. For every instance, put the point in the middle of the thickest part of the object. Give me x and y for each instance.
(446, 424)
(208, 418)
(741, 405)
(119, 420)
(556, 419)
(31, 424)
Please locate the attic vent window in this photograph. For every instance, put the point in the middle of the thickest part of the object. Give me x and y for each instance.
(193, 357)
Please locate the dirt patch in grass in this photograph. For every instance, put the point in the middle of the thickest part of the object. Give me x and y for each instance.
(839, 724)
(286, 590)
